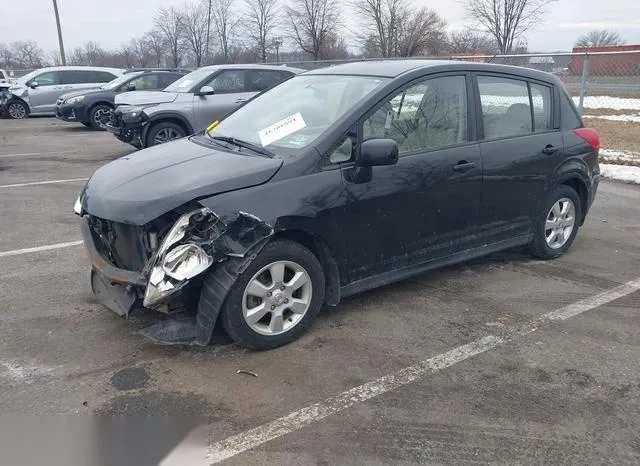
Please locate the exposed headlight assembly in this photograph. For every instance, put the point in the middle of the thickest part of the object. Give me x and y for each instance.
(74, 100)
(174, 265)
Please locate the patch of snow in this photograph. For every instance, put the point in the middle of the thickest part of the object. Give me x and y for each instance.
(616, 154)
(633, 118)
(603, 101)
(24, 374)
(621, 173)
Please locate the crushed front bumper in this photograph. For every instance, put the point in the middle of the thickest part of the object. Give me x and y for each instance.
(127, 128)
(71, 112)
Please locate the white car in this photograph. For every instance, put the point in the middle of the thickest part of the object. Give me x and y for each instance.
(41, 88)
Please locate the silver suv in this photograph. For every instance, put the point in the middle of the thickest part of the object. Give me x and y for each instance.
(41, 88)
(191, 103)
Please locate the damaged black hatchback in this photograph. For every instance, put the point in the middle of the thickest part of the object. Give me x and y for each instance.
(337, 181)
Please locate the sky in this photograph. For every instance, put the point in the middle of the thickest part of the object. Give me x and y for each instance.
(112, 23)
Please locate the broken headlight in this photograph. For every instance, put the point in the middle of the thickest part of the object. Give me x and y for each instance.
(173, 265)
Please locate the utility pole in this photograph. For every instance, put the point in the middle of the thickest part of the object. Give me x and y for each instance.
(206, 46)
(60, 43)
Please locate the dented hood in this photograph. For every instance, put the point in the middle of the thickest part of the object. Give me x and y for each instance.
(138, 188)
(137, 98)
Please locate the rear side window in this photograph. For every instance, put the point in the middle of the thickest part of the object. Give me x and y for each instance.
(78, 77)
(145, 82)
(165, 79)
(102, 76)
(541, 98)
(264, 79)
(506, 109)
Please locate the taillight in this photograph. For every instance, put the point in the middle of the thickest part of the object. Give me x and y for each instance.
(591, 137)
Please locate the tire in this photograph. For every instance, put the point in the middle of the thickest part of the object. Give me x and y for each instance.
(16, 110)
(164, 131)
(99, 115)
(545, 244)
(309, 295)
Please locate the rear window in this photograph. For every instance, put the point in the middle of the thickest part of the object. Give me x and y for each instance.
(506, 109)
(103, 76)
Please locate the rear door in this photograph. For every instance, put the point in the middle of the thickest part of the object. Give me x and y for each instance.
(43, 98)
(261, 80)
(522, 145)
(230, 90)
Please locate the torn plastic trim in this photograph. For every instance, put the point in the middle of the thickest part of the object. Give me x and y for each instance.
(215, 239)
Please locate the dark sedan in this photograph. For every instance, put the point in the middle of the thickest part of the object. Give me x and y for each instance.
(93, 108)
(334, 182)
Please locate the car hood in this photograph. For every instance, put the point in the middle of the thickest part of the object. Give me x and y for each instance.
(68, 95)
(145, 97)
(140, 187)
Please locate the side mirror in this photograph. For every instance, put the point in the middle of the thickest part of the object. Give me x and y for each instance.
(130, 87)
(33, 84)
(206, 90)
(378, 152)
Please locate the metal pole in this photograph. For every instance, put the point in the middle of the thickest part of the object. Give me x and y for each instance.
(60, 43)
(206, 46)
(584, 82)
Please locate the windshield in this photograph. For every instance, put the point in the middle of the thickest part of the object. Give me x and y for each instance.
(118, 81)
(185, 83)
(295, 113)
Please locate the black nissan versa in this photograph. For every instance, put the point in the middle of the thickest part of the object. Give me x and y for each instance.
(337, 181)
(93, 108)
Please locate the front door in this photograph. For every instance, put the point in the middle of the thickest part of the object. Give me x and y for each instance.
(229, 87)
(43, 97)
(522, 146)
(415, 211)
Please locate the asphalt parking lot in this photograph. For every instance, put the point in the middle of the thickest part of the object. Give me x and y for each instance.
(504, 360)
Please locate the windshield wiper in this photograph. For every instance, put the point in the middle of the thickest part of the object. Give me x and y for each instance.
(244, 144)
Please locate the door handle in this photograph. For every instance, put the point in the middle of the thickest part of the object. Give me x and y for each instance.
(550, 150)
(464, 166)
(239, 101)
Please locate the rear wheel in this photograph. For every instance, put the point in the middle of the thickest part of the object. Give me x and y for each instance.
(99, 116)
(17, 110)
(276, 299)
(557, 224)
(164, 131)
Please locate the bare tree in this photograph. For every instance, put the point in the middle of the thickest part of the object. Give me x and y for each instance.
(195, 28)
(312, 23)
(53, 58)
(420, 32)
(6, 56)
(262, 18)
(471, 42)
(226, 24)
(94, 54)
(154, 41)
(602, 38)
(27, 54)
(381, 21)
(506, 20)
(169, 22)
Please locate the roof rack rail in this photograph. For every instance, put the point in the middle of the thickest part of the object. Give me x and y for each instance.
(137, 70)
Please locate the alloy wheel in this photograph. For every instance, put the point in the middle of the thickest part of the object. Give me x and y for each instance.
(102, 117)
(16, 111)
(560, 223)
(166, 135)
(277, 298)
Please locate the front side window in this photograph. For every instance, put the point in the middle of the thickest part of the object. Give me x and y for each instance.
(264, 79)
(188, 81)
(145, 82)
(506, 110)
(428, 115)
(228, 81)
(50, 78)
(294, 114)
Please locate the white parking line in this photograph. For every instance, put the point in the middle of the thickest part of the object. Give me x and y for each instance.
(252, 438)
(35, 183)
(41, 153)
(49, 247)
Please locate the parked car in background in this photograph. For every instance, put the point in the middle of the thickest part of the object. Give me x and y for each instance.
(94, 107)
(39, 90)
(338, 180)
(191, 103)
(5, 80)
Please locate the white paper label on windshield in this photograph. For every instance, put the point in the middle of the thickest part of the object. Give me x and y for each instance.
(281, 129)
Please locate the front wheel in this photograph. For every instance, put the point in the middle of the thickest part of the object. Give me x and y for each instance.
(17, 110)
(100, 116)
(557, 224)
(164, 131)
(276, 299)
